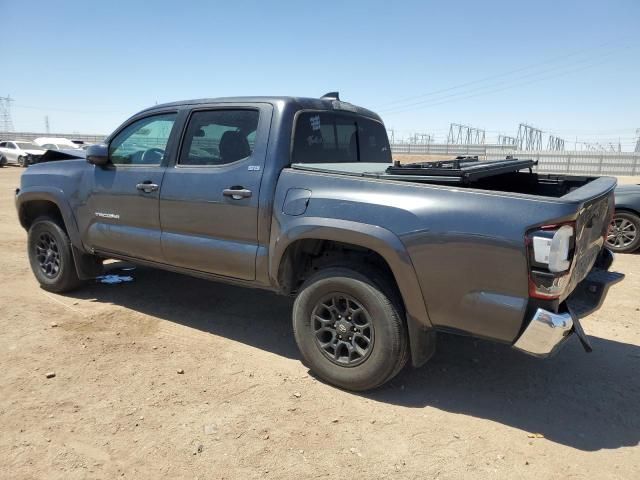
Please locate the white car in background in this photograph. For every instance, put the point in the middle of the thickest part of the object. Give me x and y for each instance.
(20, 152)
(53, 143)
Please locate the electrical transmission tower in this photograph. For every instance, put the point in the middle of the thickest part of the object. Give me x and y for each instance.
(6, 123)
(420, 139)
(637, 150)
(529, 138)
(46, 124)
(391, 133)
(507, 141)
(555, 144)
(465, 135)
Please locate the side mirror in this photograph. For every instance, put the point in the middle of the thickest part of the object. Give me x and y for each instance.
(98, 154)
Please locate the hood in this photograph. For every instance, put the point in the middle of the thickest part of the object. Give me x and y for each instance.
(33, 151)
(53, 155)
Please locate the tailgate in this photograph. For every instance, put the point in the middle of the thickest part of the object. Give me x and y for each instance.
(592, 223)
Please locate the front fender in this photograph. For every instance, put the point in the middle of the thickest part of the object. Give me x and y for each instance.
(383, 242)
(57, 197)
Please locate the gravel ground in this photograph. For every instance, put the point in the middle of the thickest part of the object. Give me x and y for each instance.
(174, 377)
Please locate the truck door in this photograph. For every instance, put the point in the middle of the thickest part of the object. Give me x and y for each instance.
(123, 199)
(209, 197)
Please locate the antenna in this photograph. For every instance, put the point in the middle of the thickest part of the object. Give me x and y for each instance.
(331, 96)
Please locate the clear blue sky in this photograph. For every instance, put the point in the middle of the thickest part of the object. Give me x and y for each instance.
(568, 67)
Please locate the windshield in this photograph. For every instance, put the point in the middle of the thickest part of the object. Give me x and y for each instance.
(28, 146)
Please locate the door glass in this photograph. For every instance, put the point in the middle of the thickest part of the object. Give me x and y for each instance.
(143, 142)
(218, 137)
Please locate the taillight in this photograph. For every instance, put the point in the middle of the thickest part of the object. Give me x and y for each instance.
(550, 250)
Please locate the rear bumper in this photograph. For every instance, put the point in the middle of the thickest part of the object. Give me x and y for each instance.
(548, 330)
(545, 333)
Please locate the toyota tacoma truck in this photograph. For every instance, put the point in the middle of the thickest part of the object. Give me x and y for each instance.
(300, 196)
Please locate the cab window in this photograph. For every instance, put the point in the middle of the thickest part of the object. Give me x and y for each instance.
(327, 137)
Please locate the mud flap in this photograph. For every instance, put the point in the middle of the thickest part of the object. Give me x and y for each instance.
(422, 342)
(88, 267)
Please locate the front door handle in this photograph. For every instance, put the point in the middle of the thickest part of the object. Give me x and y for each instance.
(147, 187)
(237, 193)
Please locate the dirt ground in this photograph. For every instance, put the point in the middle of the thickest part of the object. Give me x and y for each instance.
(245, 407)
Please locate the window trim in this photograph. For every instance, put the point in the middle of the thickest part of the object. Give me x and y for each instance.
(335, 112)
(130, 122)
(183, 136)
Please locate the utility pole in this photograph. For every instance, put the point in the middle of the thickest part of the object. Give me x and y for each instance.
(46, 124)
(529, 138)
(465, 135)
(6, 122)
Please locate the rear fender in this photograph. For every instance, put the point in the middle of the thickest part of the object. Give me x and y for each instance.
(388, 246)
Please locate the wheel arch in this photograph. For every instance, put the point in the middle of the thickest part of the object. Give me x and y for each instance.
(370, 238)
(47, 202)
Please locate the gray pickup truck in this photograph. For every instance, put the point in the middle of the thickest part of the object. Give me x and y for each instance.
(301, 196)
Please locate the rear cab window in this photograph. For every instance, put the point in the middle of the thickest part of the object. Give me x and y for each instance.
(329, 137)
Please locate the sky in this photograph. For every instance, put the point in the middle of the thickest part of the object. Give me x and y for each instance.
(570, 68)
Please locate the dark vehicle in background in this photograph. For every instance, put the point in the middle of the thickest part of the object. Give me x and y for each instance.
(624, 233)
(300, 196)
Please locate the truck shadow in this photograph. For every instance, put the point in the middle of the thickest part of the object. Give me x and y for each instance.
(586, 401)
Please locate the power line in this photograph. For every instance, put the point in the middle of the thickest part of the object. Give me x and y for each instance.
(502, 74)
(483, 90)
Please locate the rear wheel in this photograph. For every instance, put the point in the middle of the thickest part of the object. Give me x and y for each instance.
(624, 232)
(50, 256)
(349, 330)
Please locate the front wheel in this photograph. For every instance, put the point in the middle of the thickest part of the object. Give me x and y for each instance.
(22, 161)
(50, 256)
(349, 331)
(624, 232)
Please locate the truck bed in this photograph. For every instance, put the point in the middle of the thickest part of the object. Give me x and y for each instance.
(501, 176)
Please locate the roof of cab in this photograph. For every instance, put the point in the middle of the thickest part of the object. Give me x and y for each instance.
(299, 103)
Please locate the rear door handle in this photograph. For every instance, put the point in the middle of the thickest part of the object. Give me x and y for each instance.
(147, 187)
(237, 193)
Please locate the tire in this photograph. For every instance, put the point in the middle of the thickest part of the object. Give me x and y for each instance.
(624, 232)
(50, 256)
(377, 360)
(22, 161)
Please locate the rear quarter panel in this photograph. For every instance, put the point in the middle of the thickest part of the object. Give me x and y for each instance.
(465, 248)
